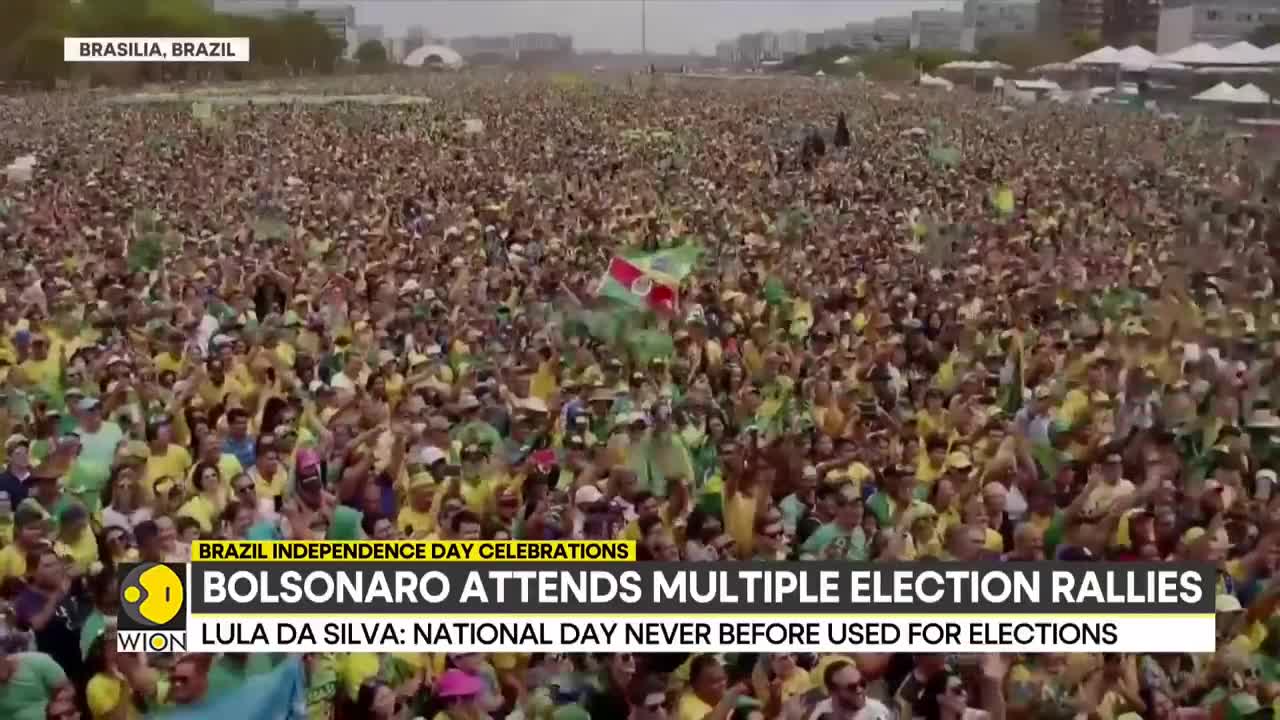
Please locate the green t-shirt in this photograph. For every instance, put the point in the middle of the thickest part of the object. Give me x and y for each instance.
(322, 688)
(26, 693)
(94, 625)
(855, 541)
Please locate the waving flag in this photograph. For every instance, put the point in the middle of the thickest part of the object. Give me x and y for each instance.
(649, 281)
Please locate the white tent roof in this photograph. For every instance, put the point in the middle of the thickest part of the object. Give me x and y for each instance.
(1101, 56)
(1054, 67)
(1167, 65)
(428, 54)
(1222, 92)
(931, 81)
(1273, 52)
(1251, 94)
(1040, 84)
(1244, 53)
(975, 65)
(1136, 56)
(1197, 54)
(845, 60)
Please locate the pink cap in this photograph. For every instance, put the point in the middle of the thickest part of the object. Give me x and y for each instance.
(456, 683)
(308, 458)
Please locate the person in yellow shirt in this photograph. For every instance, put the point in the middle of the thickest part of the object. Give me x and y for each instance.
(111, 693)
(270, 479)
(210, 498)
(76, 541)
(708, 690)
(415, 520)
(29, 531)
(43, 368)
(165, 458)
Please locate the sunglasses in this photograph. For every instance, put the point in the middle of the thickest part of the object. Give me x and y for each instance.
(244, 488)
(853, 687)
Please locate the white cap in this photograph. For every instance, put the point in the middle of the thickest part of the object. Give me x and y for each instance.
(587, 494)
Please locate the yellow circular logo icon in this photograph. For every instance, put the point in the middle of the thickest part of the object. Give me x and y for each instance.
(151, 594)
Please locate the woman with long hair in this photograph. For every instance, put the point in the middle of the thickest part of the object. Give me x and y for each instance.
(209, 500)
(122, 502)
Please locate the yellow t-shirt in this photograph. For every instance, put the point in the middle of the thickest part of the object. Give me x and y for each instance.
(167, 362)
(740, 519)
(174, 463)
(202, 510)
(272, 487)
(994, 542)
(413, 523)
(105, 693)
(83, 550)
(691, 707)
(13, 563)
(44, 373)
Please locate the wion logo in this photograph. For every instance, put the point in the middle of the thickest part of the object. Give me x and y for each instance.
(151, 615)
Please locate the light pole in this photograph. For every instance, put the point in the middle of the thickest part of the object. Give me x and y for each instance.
(644, 30)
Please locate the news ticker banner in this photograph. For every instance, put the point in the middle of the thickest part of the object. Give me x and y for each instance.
(591, 597)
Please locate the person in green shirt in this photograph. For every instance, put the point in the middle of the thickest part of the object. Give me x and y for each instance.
(28, 681)
(843, 537)
(322, 685)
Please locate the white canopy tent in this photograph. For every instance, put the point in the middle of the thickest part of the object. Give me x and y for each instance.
(974, 65)
(844, 60)
(1222, 92)
(1101, 56)
(1244, 53)
(1251, 94)
(1041, 84)
(1197, 54)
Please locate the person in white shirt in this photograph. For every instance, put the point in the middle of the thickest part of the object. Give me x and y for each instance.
(847, 696)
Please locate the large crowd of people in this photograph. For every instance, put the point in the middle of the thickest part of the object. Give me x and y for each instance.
(943, 332)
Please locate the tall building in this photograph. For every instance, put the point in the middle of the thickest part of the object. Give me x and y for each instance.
(751, 48)
(339, 20)
(471, 45)
(861, 36)
(365, 33)
(998, 18)
(940, 30)
(791, 43)
(1129, 22)
(727, 52)
(835, 38)
(1219, 23)
(1082, 16)
(542, 42)
(813, 42)
(415, 36)
(892, 32)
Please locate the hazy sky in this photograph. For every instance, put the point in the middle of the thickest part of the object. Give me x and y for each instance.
(674, 25)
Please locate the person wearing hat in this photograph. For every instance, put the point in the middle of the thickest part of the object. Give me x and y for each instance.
(98, 441)
(17, 471)
(416, 519)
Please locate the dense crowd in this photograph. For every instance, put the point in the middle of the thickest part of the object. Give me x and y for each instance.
(942, 332)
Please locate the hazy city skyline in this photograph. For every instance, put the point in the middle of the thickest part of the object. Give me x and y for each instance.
(674, 26)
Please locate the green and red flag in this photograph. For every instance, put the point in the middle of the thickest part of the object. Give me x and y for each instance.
(649, 281)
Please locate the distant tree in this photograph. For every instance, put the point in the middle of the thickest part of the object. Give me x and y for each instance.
(1084, 41)
(1026, 52)
(371, 54)
(1265, 36)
